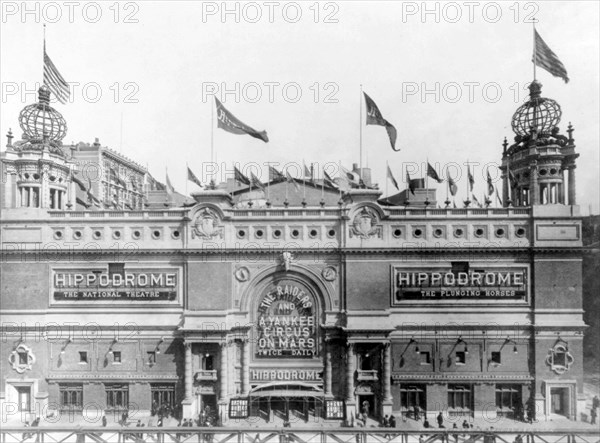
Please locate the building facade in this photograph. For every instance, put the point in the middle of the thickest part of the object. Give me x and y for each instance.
(312, 303)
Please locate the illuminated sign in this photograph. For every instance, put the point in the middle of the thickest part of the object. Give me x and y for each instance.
(447, 285)
(286, 324)
(130, 285)
(285, 375)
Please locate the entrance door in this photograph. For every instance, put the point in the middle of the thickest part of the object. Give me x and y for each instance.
(24, 398)
(367, 405)
(558, 400)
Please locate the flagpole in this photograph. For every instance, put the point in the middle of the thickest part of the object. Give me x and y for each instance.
(360, 129)
(387, 164)
(44, 55)
(187, 178)
(534, 53)
(212, 143)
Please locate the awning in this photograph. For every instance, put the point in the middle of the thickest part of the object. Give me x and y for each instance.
(287, 393)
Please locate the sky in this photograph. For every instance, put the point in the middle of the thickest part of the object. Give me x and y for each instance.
(448, 75)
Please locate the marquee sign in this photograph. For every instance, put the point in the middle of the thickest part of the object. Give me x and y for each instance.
(131, 285)
(284, 374)
(497, 284)
(286, 322)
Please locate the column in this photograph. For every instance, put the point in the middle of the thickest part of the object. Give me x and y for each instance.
(572, 197)
(328, 381)
(245, 367)
(386, 382)
(189, 379)
(350, 370)
(534, 191)
(505, 193)
(223, 372)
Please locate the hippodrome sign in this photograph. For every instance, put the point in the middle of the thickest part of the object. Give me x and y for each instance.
(442, 284)
(286, 322)
(98, 285)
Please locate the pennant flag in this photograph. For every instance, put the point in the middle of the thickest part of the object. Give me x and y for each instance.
(240, 178)
(82, 203)
(512, 179)
(118, 178)
(170, 189)
(192, 177)
(411, 184)
(546, 59)
(328, 180)
(256, 181)
(90, 195)
(452, 186)
(433, 174)
(374, 117)
(391, 177)
(274, 174)
(54, 81)
(476, 201)
(351, 177)
(78, 181)
(490, 185)
(307, 172)
(227, 121)
(291, 179)
(470, 178)
(498, 196)
(454, 204)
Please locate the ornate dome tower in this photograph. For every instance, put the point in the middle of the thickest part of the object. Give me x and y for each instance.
(533, 168)
(37, 169)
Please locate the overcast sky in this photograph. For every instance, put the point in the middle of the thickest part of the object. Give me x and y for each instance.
(449, 78)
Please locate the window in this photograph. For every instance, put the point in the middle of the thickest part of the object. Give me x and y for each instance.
(508, 397)
(560, 357)
(207, 362)
(425, 357)
(496, 357)
(23, 358)
(412, 396)
(117, 397)
(116, 356)
(238, 408)
(163, 396)
(71, 396)
(461, 357)
(116, 268)
(151, 357)
(459, 397)
(83, 357)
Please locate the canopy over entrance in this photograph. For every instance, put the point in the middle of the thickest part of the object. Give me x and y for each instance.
(287, 390)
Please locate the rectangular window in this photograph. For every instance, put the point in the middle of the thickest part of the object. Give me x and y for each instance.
(83, 357)
(459, 397)
(116, 268)
(163, 397)
(508, 397)
(412, 396)
(23, 358)
(71, 396)
(116, 356)
(117, 397)
(238, 408)
(425, 357)
(496, 357)
(461, 357)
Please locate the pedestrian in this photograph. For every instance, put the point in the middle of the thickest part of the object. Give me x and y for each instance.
(596, 402)
(104, 421)
(386, 421)
(416, 414)
(426, 423)
(440, 420)
(465, 425)
(392, 421)
(593, 414)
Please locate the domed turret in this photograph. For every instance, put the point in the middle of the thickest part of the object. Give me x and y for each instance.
(534, 166)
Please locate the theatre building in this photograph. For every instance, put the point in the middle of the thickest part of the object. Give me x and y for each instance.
(308, 303)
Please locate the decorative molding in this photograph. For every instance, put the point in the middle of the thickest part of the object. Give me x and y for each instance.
(206, 225)
(14, 358)
(365, 224)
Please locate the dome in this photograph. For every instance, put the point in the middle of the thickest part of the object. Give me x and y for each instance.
(538, 112)
(42, 123)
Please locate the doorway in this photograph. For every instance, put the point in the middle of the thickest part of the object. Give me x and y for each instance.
(559, 401)
(367, 405)
(24, 398)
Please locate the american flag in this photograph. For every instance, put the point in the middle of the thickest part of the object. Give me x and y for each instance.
(545, 58)
(54, 81)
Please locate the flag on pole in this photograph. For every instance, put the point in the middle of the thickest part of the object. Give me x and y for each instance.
(228, 122)
(391, 177)
(78, 181)
(411, 184)
(256, 182)
(546, 59)
(291, 180)
(512, 179)
(470, 178)
(490, 185)
(498, 196)
(351, 177)
(328, 180)
(170, 189)
(431, 172)
(192, 177)
(90, 195)
(274, 174)
(307, 172)
(452, 186)
(374, 117)
(240, 178)
(54, 81)
(475, 200)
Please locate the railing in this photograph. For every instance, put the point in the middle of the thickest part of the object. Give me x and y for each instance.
(206, 375)
(287, 435)
(367, 375)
